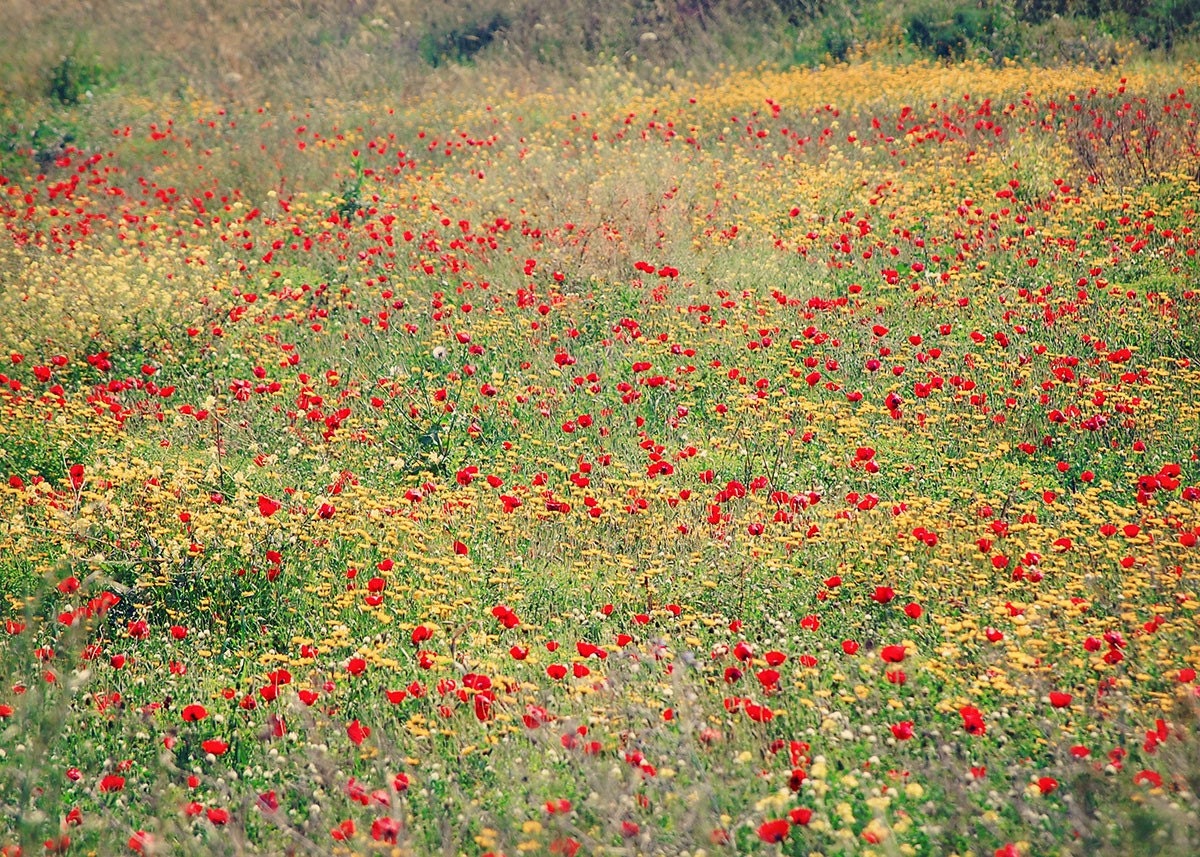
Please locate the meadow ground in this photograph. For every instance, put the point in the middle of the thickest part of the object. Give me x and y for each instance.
(797, 462)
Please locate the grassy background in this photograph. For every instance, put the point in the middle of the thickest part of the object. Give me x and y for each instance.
(311, 49)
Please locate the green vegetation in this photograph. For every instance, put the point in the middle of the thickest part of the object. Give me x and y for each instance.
(500, 428)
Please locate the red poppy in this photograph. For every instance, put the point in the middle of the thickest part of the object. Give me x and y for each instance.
(385, 829)
(892, 654)
(1147, 777)
(902, 730)
(801, 815)
(776, 830)
(343, 831)
(139, 841)
(357, 732)
(758, 713)
(1059, 699)
(215, 746)
(194, 713)
(420, 634)
(768, 678)
(972, 720)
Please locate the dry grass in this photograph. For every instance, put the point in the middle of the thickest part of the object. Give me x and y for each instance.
(293, 50)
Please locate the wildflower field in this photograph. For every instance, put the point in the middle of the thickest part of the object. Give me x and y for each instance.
(774, 462)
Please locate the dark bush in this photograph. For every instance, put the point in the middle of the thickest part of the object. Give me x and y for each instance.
(71, 78)
(935, 30)
(952, 32)
(460, 44)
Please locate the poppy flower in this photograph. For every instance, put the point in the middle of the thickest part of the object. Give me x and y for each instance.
(758, 713)
(344, 831)
(972, 720)
(1058, 699)
(1147, 777)
(194, 713)
(385, 829)
(357, 733)
(776, 830)
(112, 783)
(215, 746)
(883, 594)
(902, 730)
(139, 841)
(801, 815)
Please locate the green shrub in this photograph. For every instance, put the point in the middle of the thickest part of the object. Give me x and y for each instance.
(459, 44)
(934, 30)
(71, 79)
(1163, 23)
(954, 32)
